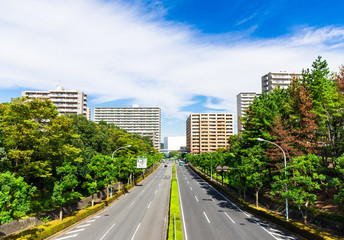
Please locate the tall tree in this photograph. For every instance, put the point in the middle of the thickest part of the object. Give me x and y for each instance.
(15, 196)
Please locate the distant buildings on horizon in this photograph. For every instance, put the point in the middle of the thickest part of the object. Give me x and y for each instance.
(205, 132)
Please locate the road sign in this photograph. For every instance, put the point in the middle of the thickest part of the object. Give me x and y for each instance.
(219, 168)
(225, 168)
(141, 162)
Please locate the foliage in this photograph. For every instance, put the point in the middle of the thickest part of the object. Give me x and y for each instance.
(15, 195)
(302, 180)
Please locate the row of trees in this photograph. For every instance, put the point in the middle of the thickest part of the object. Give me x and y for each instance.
(307, 121)
(47, 160)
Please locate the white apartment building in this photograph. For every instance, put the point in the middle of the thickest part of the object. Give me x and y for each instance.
(66, 101)
(243, 101)
(206, 132)
(145, 121)
(174, 143)
(281, 79)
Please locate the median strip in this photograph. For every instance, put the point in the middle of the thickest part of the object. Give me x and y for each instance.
(175, 226)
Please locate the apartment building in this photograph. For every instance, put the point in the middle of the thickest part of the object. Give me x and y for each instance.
(145, 121)
(274, 79)
(206, 132)
(66, 101)
(243, 101)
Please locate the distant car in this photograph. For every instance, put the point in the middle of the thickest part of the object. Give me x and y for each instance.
(165, 165)
(181, 163)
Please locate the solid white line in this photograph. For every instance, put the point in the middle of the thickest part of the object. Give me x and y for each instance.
(196, 198)
(70, 236)
(91, 221)
(206, 217)
(107, 231)
(85, 225)
(132, 204)
(181, 207)
(78, 230)
(149, 204)
(135, 231)
(230, 218)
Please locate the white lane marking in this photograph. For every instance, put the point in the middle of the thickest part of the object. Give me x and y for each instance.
(230, 218)
(136, 231)
(206, 217)
(196, 198)
(155, 192)
(78, 230)
(97, 217)
(191, 188)
(187, 182)
(149, 204)
(242, 211)
(181, 207)
(70, 236)
(132, 204)
(85, 225)
(107, 231)
(212, 199)
(89, 221)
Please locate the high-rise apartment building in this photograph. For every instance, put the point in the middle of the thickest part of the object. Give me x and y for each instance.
(206, 132)
(243, 101)
(66, 101)
(145, 121)
(281, 79)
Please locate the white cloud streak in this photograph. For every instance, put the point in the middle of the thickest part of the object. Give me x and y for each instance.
(114, 51)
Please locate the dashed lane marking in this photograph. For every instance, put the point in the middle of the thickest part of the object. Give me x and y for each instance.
(230, 218)
(70, 236)
(206, 217)
(85, 225)
(78, 230)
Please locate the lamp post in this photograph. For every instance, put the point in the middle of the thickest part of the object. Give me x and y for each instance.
(112, 161)
(285, 172)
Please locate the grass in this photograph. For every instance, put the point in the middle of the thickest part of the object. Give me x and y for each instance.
(175, 225)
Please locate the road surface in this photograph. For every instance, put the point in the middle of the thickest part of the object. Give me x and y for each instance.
(140, 214)
(207, 214)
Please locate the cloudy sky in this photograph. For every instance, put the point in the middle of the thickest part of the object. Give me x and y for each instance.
(181, 55)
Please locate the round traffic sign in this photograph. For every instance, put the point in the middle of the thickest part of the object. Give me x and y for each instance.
(225, 168)
(219, 168)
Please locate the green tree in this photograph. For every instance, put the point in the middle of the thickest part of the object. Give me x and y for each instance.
(302, 180)
(255, 169)
(64, 188)
(15, 196)
(95, 176)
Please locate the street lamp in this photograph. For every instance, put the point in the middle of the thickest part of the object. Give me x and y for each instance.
(285, 172)
(112, 161)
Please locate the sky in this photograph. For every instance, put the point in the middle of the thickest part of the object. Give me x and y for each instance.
(185, 56)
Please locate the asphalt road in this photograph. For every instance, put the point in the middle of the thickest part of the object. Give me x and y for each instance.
(207, 214)
(139, 214)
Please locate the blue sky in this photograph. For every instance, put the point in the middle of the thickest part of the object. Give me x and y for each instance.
(182, 55)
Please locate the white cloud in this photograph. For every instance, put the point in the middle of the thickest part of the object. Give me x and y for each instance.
(114, 51)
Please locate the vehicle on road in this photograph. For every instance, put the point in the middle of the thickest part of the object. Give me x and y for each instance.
(181, 163)
(165, 165)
